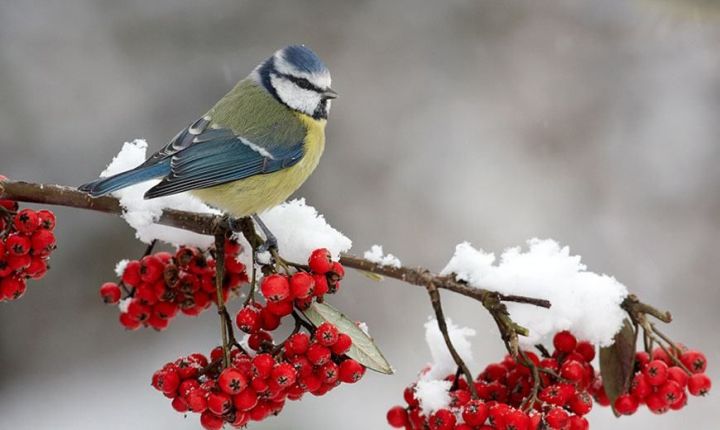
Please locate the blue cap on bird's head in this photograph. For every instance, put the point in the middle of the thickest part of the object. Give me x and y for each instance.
(298, 78)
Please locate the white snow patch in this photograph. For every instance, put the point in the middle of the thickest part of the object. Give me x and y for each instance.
(300, 229)
(432, 394)
(375, 255)
(586, 303)
(120, 267)
(443, 363)
(364, 327)
(124, 303)
(142, 214)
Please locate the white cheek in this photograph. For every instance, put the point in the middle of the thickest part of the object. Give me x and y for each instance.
(297, 98)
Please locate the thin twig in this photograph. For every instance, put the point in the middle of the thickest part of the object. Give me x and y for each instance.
(219, 274)
(442, 324)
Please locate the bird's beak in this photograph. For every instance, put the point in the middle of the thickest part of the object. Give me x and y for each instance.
(329, 93)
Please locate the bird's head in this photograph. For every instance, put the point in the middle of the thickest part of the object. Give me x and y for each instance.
(298, 78)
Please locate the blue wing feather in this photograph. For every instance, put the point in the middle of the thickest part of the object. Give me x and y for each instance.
(218, 157)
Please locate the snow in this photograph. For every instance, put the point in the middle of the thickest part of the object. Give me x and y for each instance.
(432, 390)
(443, 363)
(142, 214)
(432, 394)
(298, 227)
(375, 255)
(124, 303)
(364, 327)
(120, 267)
(586, 303)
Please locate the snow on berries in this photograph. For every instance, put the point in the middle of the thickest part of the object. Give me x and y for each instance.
(663, 381)
(508, 396)
(256, 384)
(154, 289)
(26, 242)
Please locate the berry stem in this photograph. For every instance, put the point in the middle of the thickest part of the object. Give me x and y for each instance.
(219, 274)
(442, 324)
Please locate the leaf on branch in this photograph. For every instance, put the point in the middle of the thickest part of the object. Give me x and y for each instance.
(617, 362)
(363, 348)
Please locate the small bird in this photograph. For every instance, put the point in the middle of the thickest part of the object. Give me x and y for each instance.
(250, 151)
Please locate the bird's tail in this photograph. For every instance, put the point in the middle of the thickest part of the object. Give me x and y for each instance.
(139, 174)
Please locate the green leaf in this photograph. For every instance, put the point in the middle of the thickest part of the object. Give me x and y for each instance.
(363, 349)
(617, 362)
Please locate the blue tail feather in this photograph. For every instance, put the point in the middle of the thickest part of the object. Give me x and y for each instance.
(125, 179)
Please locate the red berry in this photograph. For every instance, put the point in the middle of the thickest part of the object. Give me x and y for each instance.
(556, 418)
(397, 417)
(475, 413)
(151, 269)
(232, 381)
(694, 360)
(699, 384)
(321, 285)
(37, 269)
(197, 400)
(210, 421)
(43, 242)
(166, 381)
(297, 344)
(586, 349)
(516, 420)
(180, 405)
(131, 274)
(640, 387)
(248, 319)
(260, 340)
(656, 404)
(46, 219)
(246, 399)
(330, 372)
(656, 372)
(280, 309)
(219, 403)
(110, 292)
(581, 403)
(318, 354)
(577, 423)
(564, 341)
(302, 285)
(343, 344)
(262, 365)
(17, 245)
(326, 334)
(268, 320)
(12, 288)
(283, 374)
(442, 419)
(26, 221)
(275, 288)
(233, 265)
(128, 321)
(572, 371)
(671, 391)
(351, 371)
(409, 396)
(626, 404)
(319, 261)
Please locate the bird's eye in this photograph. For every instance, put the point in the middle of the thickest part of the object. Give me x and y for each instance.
(304, 84)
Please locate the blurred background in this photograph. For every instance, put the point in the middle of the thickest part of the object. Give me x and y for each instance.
(593, 123)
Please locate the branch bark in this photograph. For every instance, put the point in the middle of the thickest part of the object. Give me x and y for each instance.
(212, 225)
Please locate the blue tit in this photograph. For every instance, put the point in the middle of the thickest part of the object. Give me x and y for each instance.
(254, 148)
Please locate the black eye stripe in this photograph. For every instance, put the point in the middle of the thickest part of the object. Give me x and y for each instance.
(302, 83)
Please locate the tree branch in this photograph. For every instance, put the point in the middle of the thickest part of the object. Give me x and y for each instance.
(211, 225)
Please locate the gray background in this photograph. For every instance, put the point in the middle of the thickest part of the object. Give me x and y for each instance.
(594, 123)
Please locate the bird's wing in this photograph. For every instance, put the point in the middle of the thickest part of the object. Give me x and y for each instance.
(181, 141)
(217, 156)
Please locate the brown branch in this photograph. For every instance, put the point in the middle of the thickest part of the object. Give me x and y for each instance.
(442, 324)
(212, 225)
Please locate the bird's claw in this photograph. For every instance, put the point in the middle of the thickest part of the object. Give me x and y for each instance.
(269, 245)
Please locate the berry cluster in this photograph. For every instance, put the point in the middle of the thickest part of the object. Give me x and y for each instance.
(26, 241)
(661, 382)
(284, 293)
(159, 285)
(510, 397)
(256, 386)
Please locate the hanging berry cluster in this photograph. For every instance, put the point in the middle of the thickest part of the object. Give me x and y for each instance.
(661, 382)
(26, 242)
(160, 285)
(256, 385)
(283, 293)
(524, 393)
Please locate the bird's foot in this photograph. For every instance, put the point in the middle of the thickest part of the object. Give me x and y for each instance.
(270, 245)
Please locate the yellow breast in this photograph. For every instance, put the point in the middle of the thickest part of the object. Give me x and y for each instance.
(261, 192)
